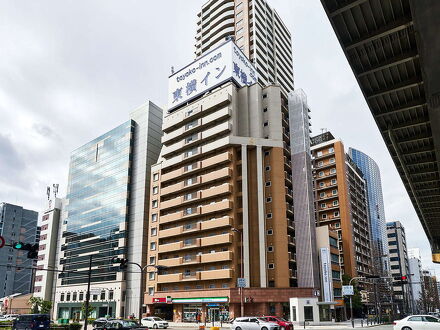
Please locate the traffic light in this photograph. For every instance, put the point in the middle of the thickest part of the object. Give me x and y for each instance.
(400, 280)
(123, 263)
(31, 248)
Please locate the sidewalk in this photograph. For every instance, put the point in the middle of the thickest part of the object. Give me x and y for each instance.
(227, 326)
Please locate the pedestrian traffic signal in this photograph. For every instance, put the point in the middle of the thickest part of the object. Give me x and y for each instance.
(123, 263)
(31, 248)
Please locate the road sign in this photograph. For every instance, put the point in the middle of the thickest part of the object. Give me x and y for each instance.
(347, 290)
(241, 282)
(2, 242)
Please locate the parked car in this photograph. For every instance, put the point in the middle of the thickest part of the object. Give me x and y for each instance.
(154, 322)
(9, 317)
(31, 322)
(284, 325)
(417, 322)
(122, 325)
(253, 323)
(99, 322)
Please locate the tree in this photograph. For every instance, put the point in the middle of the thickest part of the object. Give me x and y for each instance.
(39, 305)
(356, 299)
(86, 313)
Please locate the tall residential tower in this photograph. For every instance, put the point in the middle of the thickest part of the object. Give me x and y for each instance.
(258, 31)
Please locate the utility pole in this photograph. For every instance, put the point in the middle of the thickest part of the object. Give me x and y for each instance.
(89, 278)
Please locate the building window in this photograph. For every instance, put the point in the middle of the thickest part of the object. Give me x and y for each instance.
(321, 163)
(330, 150)
(102, 295)
(270, 232)
(271, 266)
(155, 176)
(62, 297)
(337, 224)
(335, 203)
(323, 205)
(153, 246)
(331, 160)
(110, 295)
(81, 296)
(270, 248)
(268, 199)
(321, 173)
(333, 181)
(191, 125)
(268, 183)
(151, 291)
(154, 217)
(267, 168)
(265, 109)
(269, 215)
(151, 276)
(74, 296)
(321, 184)
(152, 260)
(68, 296)
(332, 171)
(322, 194)
(192, 152)
(319, 153)
(155, 190)
(334, 191)
(336, 214)
(191, 138)
(267, 153)
(153, 231)
(266, 123)
(154, 204)
(324, 216)
(211, 286)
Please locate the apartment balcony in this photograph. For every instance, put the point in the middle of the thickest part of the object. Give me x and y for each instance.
(291, 241)
(289, 209)
(216, 257)
(197, 166)
(197, 226)
(293, 273)
(288, 177)
(170, 278)
(180, 215)
(176, 246)
(289, 193)
(190, 259)
(216, 240)
(172, 262)
(290, 225)
(216, 274)
(216, 207)
(199, 195)
(223, 173)
(292, 257)
(191, 276)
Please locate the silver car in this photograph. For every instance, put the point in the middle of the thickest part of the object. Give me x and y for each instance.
(253, 323)
(154, 322)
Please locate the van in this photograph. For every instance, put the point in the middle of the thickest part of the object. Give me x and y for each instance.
(32, 322)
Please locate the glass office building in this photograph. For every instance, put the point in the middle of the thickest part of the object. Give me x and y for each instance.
(98, 196)
(376, 208)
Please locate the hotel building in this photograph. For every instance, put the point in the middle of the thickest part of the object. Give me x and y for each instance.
(258, 31)
(341, 203)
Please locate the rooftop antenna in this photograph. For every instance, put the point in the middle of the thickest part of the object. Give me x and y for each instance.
(55, 189)
(48, 192)
(172, 69)
(323, 130)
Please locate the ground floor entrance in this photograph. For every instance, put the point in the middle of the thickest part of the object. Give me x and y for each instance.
(73, 311)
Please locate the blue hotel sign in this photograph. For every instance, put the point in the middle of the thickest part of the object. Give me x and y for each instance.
(225, 63)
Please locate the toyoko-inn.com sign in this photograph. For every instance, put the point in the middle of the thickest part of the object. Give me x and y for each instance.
(227, 62)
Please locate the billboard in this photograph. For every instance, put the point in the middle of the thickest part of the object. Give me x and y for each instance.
(327, 284)
(224, 63)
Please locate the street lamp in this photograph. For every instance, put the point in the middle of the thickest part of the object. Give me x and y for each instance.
(240, 288)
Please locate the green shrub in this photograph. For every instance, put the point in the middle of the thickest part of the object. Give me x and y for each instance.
(75, 326)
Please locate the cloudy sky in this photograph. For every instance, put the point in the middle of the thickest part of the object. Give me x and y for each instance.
(71, 70)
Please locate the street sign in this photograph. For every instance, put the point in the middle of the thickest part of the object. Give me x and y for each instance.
(347, 290)
(241, 282)
(2, 242)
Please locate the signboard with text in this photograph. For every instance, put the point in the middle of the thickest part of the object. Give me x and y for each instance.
(347, 290)
(224, 63)
(327, 284)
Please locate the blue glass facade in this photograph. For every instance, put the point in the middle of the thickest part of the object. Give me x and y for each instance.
(375, 204)
(98, 205)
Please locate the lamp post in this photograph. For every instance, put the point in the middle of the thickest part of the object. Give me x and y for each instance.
(351, 302)
(241, 269)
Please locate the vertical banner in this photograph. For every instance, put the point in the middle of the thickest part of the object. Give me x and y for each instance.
(327, 284)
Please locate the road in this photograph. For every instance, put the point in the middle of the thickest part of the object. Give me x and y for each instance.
(379, 327)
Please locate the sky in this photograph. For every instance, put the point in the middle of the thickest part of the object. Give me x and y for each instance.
(72, 70)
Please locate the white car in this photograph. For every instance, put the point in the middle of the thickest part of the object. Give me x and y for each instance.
(417, 322)
(253, 323)
(154, 322)
(9, 317)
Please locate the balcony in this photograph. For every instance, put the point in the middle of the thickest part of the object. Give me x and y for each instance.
(216, 240)
(170, 247)
(205, 178)
(172, 262)
(196, 226)
(180, 215)
(216, 274)
(216, 257)
(216, 207)
(291, 240)
(216, 223)
(169, 278)
(170, 232)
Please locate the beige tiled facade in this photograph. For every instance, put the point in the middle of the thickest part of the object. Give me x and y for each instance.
(237, 177)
